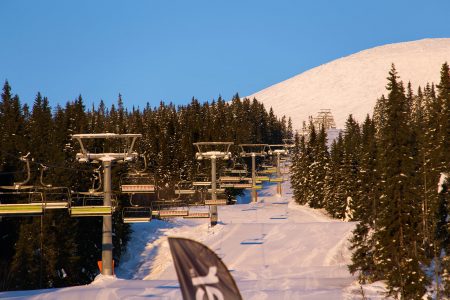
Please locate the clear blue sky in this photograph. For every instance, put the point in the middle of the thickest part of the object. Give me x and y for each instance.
(156, 50)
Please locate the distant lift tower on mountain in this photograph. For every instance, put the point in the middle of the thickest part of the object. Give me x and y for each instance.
(213, 151)
(107, 158)
(324, 119)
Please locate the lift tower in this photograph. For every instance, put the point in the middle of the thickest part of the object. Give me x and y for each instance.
(106, 159)
(253, 151)
(278, 151)
(213, 151)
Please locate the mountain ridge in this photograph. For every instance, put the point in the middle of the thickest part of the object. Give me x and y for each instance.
(352, 84)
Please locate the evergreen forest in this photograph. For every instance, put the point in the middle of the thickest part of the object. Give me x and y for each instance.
(55, 250)
(390, 174)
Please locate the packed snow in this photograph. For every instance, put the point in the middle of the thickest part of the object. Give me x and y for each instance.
(274, 249)
(352, 84)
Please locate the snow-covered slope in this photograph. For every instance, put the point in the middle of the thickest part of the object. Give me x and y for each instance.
(275, 249)
(352, 84)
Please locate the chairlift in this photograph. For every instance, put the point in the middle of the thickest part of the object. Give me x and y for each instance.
(202, 179)
(221, 198)
(240, 168)
(188, 193)
(138, 181)
(91, 203)
(20, 199)
(136, 214)
(168, 204)
(140, 208)
(55, 197)
(21, 202)
(198, 214)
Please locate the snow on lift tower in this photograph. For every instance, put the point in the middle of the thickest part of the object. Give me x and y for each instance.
(213, 151)
(324, 119)
(107, 158)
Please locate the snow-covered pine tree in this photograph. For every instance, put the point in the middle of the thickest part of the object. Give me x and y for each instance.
(335, 189)
(366, 209)
(396, 236)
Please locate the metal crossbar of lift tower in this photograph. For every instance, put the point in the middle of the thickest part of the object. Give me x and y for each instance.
(210, 149)
(278, 148)
(253, 149)
(86, 155)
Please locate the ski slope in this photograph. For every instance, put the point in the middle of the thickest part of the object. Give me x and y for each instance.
(352, 84)
(275, 249)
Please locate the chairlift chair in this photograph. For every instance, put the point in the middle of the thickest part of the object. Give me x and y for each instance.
(202, 180)
(188, 193)
(20, 202)
(133, 183)
(168, 205)
(197, 213)
(55, 197)
(140, 208)
(20, 199)
(90, 204)
(138, 181)
(221, 198)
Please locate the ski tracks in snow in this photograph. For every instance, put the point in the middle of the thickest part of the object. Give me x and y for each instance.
(274, 249)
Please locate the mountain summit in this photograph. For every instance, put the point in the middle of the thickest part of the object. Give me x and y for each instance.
(352, 84)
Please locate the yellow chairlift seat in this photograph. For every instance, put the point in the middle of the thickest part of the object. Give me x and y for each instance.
(90, 211)
(228, 179)
(276, 179)
(21, 203)
(262, 178)
(30, 209)
(90, 204)
(56, 197)
(257, 187)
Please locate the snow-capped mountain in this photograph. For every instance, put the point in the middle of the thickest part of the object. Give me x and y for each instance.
(352, 84)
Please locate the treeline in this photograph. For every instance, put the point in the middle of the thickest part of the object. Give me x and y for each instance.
(56, 250)
(384, 173)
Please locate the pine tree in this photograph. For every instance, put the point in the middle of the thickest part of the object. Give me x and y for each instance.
(396, 237)
(366, 210)
(335, 190)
